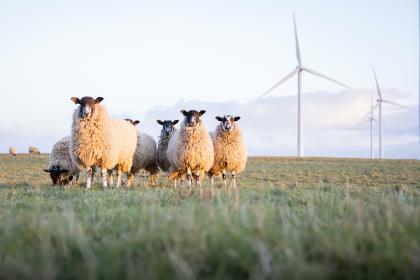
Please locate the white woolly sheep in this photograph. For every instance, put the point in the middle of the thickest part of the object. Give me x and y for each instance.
(97, 139)
(190, 149)
(12, 151)
(144, 157)
(34, 151)
(61, 167)
(230, 154)
(168, 129)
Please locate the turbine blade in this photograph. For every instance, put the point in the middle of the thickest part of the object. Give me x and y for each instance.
(287, 77)
(316, 73)
(395, 104)
(378, 89)
(368, 114)
(299, 59)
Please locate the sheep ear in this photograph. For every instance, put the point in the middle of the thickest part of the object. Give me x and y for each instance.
(184, 112)
(64, 170)
(136, 122)
(175, 122)
(99, 99)
(236, 119)
(219, 119)
(47, 170)
(75, 100)
(129, 120)
(202, 112)
(159, 122)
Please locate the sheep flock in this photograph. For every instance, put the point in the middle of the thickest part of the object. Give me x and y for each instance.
(190, 153)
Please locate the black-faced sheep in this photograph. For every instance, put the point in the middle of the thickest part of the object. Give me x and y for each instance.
(230, 154)
(168, 129)
(190, 149)
(97, 139)
(61, 167)
(144, 157)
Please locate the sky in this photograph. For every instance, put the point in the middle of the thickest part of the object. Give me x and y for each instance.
(151, 57)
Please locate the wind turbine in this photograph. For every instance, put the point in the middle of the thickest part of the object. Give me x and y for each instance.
(298, 70)
(378, 105)
(371, 120)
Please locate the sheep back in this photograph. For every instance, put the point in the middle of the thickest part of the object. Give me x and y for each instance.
(229, 151)
(194, 149)
(60, 156)
(162, 158)
(12, 151)
(145, 155)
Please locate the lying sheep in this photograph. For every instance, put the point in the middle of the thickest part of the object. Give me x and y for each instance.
(34, 151)
(168, 129)
(144, 156)
(230, 154)
(61, 167)
(97, 139)
(12, 151)
(190, 149)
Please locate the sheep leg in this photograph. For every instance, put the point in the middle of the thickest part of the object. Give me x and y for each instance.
(117, 184)
(130, 179)
(224, 177)
(104, 173)
(110, 178)
(197, 178)
(211, 177)
(77, 178)
(152, 179)
(189, 179)
(89, 179)
(234, 179)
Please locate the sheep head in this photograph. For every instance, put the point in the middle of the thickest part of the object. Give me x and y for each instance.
(192, 117)
(228, 122)
(167, 126)
(136, 122)
(59, 176)
(87, 105)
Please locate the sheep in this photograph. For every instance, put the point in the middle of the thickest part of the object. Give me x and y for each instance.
(34, 151)
(190, 149)
(97, 139)
(144, 156)
(230, 153)
(168, 129)
(12, 151)
(61, 167)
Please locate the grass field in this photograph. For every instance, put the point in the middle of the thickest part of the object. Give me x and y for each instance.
(289, 218)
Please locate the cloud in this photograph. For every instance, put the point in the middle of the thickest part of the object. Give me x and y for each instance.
(331, 124)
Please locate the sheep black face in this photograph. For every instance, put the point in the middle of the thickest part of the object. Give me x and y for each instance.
(136, 122)
(167, 126)
(59, 176)
(87, 105)
(228, 122)
(192, 118)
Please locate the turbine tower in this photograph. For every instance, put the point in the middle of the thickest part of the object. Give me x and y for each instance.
(371, 122)
(378, 105)
(298, 70)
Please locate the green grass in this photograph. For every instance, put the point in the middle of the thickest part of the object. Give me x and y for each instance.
(290, 218)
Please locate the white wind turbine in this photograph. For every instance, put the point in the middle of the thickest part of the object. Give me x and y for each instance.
(298, 70)
(378, 105)
(371, 119)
